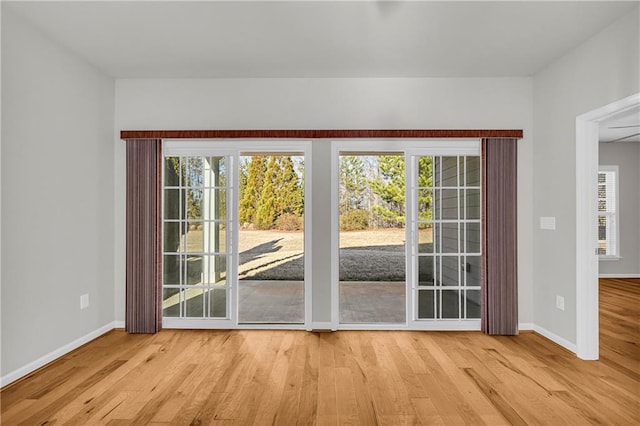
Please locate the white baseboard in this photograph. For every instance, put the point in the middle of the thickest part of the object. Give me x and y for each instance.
(526, 326)
(52, 356)
(118, 324)
(618, 275)
(555, 338)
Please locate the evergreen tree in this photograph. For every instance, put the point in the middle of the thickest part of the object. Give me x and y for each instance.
(252, 191)
(290, 193)
(267, 206)
(353, 182)
(425, 180)
(390, 187)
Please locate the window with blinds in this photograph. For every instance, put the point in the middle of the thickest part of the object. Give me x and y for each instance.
(608, 231)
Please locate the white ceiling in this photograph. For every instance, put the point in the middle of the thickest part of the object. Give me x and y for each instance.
(149, 39)
(623, 127)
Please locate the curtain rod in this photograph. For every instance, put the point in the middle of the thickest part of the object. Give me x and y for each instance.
(322, 134)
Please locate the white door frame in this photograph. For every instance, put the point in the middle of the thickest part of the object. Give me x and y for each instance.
(587, 140)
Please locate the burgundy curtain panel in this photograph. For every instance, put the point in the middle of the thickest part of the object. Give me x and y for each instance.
(499, 307)
(143, 282)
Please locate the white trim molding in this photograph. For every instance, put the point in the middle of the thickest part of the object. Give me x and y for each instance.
(54, 355)
(555, 338)
(526, 326)
(619, 275)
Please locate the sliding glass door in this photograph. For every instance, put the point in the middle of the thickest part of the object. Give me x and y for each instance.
(408, 234)
(234, 235)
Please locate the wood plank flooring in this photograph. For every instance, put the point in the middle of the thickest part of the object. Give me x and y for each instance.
(198, 377)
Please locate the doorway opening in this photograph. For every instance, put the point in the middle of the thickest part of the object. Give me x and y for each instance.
(587, 142)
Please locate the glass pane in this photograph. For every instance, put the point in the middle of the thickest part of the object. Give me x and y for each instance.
(171, 269)
(461, 171)
(172, 171)
(171, 302)
(214, 270)
(172, 203)
(437, 163)
(215, 169)
(195, 203)
(426, 270)
(472, 240)
(194, 299)
(472, 271)
(171, 236)
(473, 171)
(446, 237)
(214, 204)
(473, 203)
(450, 303)
(425, 304)
(425, 238)
(450, 270)
(473, 304)
(449, 204)
(449, 237)
(425, 171)
(194, 177)
(449, 172)
(216, 237)
(192, 241)
(218, 302)
(194, 270)
(425, 204)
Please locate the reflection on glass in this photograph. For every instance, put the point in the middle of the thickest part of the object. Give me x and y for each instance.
(172, 203)
(472, 201)
(194, 302)
(449, 172)
(171, 269)
(215, 171)
(473, 171)
(472, 304)
(450, 303)
(218, 303)
(472, 271)
(214, 270)
(450, 271)
(171, 302)
(449, 204)
(472, 238)
(426, 304)
(425, 238)
(427, 270)
(194, 270)
(447, 238)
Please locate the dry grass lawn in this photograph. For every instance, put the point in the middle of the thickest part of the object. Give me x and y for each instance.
(371, 255)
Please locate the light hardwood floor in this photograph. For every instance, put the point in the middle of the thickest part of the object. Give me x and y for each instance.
(349, 377)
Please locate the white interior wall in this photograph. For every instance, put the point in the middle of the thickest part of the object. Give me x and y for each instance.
(627, 157)
(601, 70)
(57, 197)
(430, 103)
